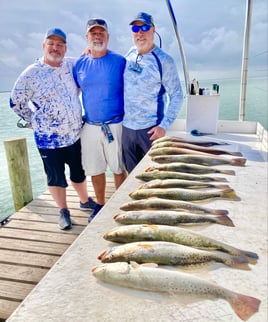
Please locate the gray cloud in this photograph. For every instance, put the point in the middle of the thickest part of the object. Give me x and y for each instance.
(211, 31)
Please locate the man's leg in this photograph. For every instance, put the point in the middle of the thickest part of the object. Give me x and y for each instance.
(119, 179)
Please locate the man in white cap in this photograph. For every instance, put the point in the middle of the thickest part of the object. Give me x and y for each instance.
(56, 119)
(99, 75)
(153, 94)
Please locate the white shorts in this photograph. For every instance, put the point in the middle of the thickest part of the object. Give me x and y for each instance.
(98, 153)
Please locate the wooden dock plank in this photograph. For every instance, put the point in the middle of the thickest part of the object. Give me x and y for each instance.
(22, 273)
(31, 242)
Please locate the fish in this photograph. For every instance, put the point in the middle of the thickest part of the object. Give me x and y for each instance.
(194, 147)
(179, 183)
(174, 234)
(199, 159)
(184, 194)
(170, 150)
(170, 217)
(178, 205)
(189, 168)
(191, 141)
(166, 253)
(149, 277)
(156, 174)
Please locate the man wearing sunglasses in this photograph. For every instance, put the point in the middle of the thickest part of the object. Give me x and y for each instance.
(152, 92)
(99, 75)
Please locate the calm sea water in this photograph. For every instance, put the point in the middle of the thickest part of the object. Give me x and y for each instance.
(256, 110)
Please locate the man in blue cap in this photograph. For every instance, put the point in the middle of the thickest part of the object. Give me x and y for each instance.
(152, 92)
(56, 119)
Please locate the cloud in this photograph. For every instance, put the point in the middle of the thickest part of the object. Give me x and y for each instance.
(211, 32)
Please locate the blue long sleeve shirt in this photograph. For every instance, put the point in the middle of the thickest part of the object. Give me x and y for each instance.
(142, 82)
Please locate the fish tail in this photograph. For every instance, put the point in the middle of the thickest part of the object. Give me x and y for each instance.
(230, 172)
(222, 186)
(238, 154)
(220, 179)
(230, 194)
(244, 306)
(219, 212)
(225, 220)
(239, 262)
(240, 162)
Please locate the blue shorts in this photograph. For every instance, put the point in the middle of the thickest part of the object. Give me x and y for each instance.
(54, 161)
(135, 143)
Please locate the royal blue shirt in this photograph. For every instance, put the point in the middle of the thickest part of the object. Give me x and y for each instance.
(101, 82)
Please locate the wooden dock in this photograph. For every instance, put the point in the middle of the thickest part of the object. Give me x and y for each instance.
(31, 243)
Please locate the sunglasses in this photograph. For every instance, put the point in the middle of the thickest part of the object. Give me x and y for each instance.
(143, 28)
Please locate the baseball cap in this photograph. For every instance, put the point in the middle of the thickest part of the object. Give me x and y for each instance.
(96, 22)
(143, 17)
(56, 32)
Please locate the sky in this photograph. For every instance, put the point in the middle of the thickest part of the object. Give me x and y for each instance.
(211, 33)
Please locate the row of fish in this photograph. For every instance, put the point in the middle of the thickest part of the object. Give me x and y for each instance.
(149, 230)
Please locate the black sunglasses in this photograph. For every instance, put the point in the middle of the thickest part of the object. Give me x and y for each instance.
(143, 28)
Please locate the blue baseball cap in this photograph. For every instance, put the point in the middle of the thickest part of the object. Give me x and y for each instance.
(143, 17)
(56, 32)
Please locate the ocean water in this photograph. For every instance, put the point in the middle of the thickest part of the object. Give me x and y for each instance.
(256, 110)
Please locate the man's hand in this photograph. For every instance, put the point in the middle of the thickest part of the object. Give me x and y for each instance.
(157, 132)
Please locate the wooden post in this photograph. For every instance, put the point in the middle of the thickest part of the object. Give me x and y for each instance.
(19, 171)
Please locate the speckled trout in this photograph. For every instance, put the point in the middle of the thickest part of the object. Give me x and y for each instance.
(189, 168)
(199, 159)
(166, 253)
(170, 217)
(155, 279)
(179, 183)
(156, 174)
(171, 150)
(178, 205)
(189, 140)
(134, 233)
(184, 194)
(184, 145)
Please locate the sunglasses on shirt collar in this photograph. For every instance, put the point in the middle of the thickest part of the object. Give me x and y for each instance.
(143, 28)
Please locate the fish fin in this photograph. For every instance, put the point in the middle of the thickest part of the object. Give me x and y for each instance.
(134, 265)
(149, 169)
(225, 220)
(244, 306)
(230, 194)
(230, 172)
(239, 162)
(154, 265)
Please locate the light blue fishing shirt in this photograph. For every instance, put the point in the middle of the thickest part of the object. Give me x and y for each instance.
(141, 90)
(56, 112)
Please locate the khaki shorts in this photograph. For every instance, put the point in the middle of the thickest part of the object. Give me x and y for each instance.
(97, 153)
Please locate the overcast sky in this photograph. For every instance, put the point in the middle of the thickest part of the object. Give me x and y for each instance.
(211, 31)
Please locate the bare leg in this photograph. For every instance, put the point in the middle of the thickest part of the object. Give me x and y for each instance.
(81, 189)
(99, 185)
(59, 195)
(119, 179)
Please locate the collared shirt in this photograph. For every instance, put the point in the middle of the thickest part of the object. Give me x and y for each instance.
(47, 98)
(142, 86)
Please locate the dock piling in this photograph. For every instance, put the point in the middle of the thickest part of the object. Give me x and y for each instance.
(19, 171)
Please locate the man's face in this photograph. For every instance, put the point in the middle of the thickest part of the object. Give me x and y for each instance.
(97, 39)
(144, 40)
(54, 50)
